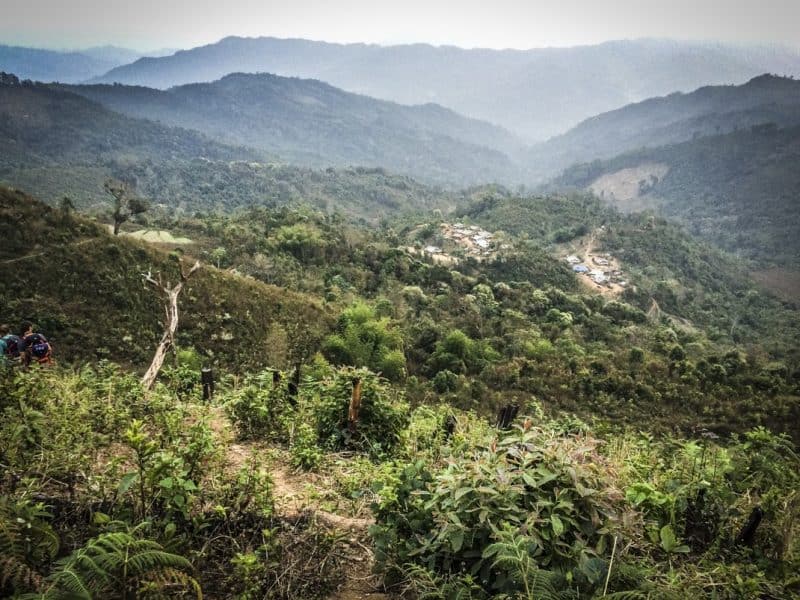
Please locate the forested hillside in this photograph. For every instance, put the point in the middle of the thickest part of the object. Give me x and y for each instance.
(56, 144)
(518, 323)
(678, 117)
(738, 190)
(44, 126)
(161, 491)
(312, 123)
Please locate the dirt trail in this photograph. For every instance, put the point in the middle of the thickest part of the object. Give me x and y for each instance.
(295, 493)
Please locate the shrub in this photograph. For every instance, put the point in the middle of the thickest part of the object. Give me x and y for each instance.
(553, 491)
(382, 415)
(260, 410)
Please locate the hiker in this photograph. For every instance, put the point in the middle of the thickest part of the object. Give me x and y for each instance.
(10, 347)
(36, 347)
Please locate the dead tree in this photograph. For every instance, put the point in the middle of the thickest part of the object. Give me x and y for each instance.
(171, 323)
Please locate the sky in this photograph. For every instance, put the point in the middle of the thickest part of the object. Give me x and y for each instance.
(154, 24)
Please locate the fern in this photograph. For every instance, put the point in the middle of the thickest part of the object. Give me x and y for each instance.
(513, 554)
(26, 541)
(119, 563)
(632, 595)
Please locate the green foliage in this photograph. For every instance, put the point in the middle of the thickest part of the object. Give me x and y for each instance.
(553, 489)
(363, 339)
(382, 415)
(27, 543)
(260, 407)
(120, 318)
(121, 563)
(305, 453)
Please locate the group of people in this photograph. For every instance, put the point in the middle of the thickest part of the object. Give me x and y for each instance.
(26, 348)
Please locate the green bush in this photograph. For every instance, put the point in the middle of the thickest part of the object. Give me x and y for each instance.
(261, 410)
(382, 416)
(552, 490)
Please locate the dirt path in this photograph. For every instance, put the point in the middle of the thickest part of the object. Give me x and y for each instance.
(295, 493)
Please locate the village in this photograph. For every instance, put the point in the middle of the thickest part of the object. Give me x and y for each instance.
(600, 271)
(471, 239)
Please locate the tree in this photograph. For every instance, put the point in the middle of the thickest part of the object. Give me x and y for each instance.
(126, 205)
(363, 339)
(171, 324)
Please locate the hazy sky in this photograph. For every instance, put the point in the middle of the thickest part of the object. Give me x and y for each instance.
(151, 24)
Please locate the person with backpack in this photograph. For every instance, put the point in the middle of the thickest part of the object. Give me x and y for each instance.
(36, 347)
(10, 347)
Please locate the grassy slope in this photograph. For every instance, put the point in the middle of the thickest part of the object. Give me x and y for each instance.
(83, 288)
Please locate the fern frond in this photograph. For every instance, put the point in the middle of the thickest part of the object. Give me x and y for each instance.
(26, 540)
(630, 595)
(161, 580)
(149, 560)
(113, 561)
(68, 580)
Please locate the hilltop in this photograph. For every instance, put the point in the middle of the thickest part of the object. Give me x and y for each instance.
(84, 287)
(565, 85)
(43, 127)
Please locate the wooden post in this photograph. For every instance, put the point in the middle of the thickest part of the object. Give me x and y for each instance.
(207, 379)
(355, 404)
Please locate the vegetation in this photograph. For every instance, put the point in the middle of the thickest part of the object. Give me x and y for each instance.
(85, 289)
(672, 119)
(358, 383)
(736, 190)
(311, 123)
(108, 491)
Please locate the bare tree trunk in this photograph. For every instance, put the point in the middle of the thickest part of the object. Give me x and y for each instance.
(171, 324)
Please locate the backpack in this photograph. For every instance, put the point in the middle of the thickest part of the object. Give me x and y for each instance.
(12, 345)
(39, 347)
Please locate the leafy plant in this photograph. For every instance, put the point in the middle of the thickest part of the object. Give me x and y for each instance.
(120, 563)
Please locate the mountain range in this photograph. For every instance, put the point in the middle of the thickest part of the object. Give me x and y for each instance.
(678, 117)
(66, 66)
(535, 94)
(312, 123)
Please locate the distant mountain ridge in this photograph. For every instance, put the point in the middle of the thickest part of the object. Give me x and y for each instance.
(312, 123)
(533, 93)
(678, 117)
(55, 143)
(68, 66)
(41, 124)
